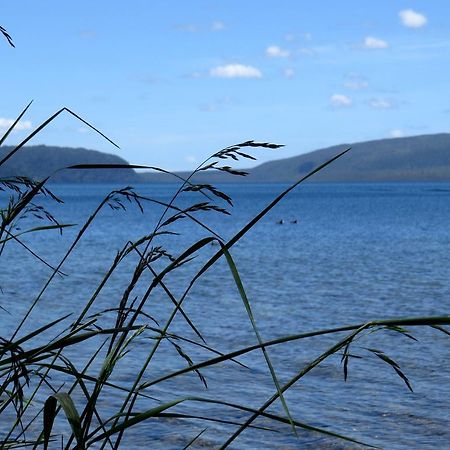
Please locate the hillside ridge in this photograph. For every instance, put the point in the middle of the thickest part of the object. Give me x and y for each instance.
(414, 158)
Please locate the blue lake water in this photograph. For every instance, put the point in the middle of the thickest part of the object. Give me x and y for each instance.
(357, 252)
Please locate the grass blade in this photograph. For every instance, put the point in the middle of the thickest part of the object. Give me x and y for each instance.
(240, 286)
(71, 413)
(8, 131)
(46, 123)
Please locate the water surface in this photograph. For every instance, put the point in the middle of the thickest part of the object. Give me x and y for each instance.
(344, 254)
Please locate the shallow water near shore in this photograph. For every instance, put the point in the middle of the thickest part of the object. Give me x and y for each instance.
(343, 254)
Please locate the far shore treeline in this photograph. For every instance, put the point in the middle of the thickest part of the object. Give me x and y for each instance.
(408, 159)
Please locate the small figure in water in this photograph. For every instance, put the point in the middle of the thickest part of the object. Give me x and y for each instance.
(294, 221)
(280, 222)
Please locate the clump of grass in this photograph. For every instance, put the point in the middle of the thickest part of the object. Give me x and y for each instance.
(31, 370)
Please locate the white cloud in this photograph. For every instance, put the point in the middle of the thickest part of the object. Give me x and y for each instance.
(381, 103)
(340, 101)
(235, 71)
(412, 19)
(22, 125)
(397, 133)
(218, 26)
(373, 42)
(273, 51)
(191, 159)
(289, 72)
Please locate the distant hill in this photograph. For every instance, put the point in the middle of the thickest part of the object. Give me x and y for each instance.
(40, 161)
(417, 158)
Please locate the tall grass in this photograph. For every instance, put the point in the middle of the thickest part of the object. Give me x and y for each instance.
(40, 380)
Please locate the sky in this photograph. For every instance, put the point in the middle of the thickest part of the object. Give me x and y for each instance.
(173, 81)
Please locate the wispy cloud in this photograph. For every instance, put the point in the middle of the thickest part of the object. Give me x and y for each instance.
(149, 79)
(187, 27)
(88, 34)
(371, 42)
(355, 82)
(218, 25)
(340, 101)
(235, 71)
(396, 133)
(289, 72)
(22, 125)
(307, 51)
(273, 51)
(289, 37)
(412, 19)
(315, 50)
(382, 103)
(216, 105)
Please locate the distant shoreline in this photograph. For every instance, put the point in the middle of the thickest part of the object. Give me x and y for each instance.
(416, 159)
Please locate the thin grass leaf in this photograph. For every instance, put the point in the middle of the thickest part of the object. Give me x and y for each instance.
(259, 216)
(231, 171)
(419, 321)
(209, 188)
(187, 358)
(192, 441)
(172, 298)
(345, 360)
(36, 229)
(332, 350)
(441, 329)
(393, 364)
(22, 204)
(106, 166)
(45, 124)
(71, 413)
(14, 124)
(7, 37)
(243, 294)
(137, 418)
(67, 341)
(260, 144)
(212, 419)
(40, 330)
(49, 418)
(246, 155)
(402, 331)
(29, 250)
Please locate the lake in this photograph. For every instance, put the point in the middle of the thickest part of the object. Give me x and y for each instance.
(343, 254)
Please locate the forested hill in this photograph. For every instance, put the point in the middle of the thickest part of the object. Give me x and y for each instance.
(417, 158)
(40, 161)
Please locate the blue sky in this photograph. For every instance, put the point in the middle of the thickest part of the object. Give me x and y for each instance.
(173, 81)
